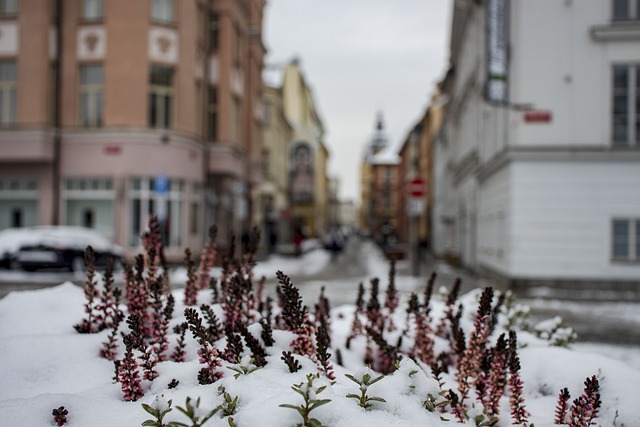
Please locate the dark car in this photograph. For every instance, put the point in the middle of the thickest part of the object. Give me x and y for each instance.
(11, 239)
(64, 247)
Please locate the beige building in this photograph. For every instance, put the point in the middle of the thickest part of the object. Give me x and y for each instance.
(277, 143)
(113, 110)
(308, 180)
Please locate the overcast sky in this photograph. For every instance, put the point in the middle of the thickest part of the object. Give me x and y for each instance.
(361, 57)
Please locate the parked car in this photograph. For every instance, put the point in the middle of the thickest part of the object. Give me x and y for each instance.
(11, 239)
(64, 247)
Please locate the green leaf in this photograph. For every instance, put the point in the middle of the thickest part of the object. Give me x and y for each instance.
(177, 424)
(377, 399)
(314, 423)
(151, 423)
(153, 411)
(321, 389)
(352, 378)
(377, 379)
(353, 396)
(318, 403)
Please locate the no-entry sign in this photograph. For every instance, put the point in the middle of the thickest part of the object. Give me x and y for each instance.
(416, 187)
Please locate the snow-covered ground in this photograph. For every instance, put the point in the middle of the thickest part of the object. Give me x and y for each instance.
(45, 364)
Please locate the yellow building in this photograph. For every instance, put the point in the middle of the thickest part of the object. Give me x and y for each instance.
(308, 181)
(278, 135)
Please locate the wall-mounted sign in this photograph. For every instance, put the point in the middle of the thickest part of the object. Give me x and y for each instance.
(497, 51)
(161, 184)
(537, 116)
(301, 173)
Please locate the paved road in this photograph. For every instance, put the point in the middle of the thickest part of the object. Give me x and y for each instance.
(607, 322)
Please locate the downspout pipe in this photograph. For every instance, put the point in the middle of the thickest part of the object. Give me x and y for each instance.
(57, 117)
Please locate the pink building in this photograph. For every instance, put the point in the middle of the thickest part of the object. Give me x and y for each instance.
(113, 110)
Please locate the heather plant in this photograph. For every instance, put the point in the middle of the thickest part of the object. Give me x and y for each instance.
(586, 407)
(364, 382)
(291, 362)
(109, 348)
(469, 366)
(190, 286)
(60, 416)
(308, 390)
(562, 407)
(391, 298)
(519, 414)
(322, 352)
(207, 261)
(449, 312)
(474, 364)
(258, 353)
(356, 325)
(94, 322)
(179, 351)
(128, 375)
(208, 353)
(295, 317)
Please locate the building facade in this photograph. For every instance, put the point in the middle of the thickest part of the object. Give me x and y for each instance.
(114, 110)
(308, 155)
(382, 189)
(540, 176)
(277, 145)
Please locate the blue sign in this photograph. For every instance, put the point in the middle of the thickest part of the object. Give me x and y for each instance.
(161, 184)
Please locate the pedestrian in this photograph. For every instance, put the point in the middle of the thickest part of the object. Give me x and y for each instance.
(298, 238)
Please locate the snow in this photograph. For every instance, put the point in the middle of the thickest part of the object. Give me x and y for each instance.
(65, 236)
(45, 363)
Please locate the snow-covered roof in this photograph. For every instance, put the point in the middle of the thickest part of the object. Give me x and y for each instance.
(273, 76)
(388, 156)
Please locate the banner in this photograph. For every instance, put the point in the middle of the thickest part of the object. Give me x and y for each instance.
(497, 51)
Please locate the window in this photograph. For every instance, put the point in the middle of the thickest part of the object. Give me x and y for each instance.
(92, 10)
(214, 31)
(235, 121)
(626, 10)
(194, 221)
(8, 7)
(625, 242)
(145, 200)
(237, 48)
(89, 202)
(162, 10)
(91, 98)
(7, 93)
(626, 105)
(160, 96)
(212, 114)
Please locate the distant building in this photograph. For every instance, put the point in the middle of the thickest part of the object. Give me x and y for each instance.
(381, 188)
(537, 167)
(308, 154)
(114, 110)
(277, 146)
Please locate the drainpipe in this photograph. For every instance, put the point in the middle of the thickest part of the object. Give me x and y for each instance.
(57, 119)
(204, 123)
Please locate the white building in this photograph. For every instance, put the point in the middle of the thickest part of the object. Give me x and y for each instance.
(538, 164)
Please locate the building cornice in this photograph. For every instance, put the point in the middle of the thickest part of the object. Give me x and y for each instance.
(626, 31)
(558, 154)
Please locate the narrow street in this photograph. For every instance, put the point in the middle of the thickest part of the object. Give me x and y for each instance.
(615, 323)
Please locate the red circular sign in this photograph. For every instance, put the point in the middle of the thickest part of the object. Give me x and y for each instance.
(416, 187)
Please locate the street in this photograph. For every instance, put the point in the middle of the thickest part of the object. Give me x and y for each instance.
(615, 323)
